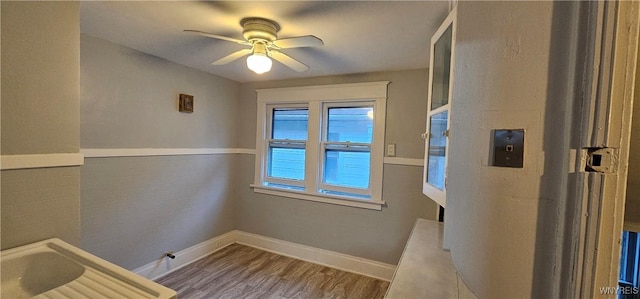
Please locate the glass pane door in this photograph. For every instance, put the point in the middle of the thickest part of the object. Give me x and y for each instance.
(441, 71)
(436, 161)
(439, 111)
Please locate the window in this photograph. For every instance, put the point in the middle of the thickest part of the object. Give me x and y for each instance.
(322, 143)
(630, 260)
(287, 146)
(346, 150)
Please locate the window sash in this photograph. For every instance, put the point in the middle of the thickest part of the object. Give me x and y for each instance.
(270, 143)
(346, 146)
(286, 143)
(343, 147)
(280, 180)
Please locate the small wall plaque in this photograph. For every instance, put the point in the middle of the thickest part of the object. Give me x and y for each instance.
(186, 103)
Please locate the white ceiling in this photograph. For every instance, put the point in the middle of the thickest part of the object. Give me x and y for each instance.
(359, 36)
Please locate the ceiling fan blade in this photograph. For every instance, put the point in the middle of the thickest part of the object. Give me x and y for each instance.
(298, 42)
(288, 61)
(211, 35)
(231, 57)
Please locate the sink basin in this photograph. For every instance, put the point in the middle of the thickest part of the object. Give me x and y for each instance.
(53, 268)
(35, 274)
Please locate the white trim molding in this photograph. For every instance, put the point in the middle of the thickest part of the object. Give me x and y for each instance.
(317, 100)
(365, 90)
(319, 256)
(325, 198)
(404, 161)
(345, 262)
(164, 265)
(142, 152)
(8, 162)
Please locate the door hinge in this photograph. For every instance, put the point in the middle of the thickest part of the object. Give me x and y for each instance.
(601, 159)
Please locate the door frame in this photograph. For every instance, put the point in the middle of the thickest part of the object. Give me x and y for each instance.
(606, 122)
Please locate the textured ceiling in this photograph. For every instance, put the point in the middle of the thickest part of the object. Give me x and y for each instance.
(359, 36)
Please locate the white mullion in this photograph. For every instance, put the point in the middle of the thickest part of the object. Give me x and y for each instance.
(312, 157)
(377, 148)
(262, 128)
(324, 131)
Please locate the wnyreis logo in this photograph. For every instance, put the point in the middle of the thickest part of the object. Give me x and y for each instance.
(619, 290)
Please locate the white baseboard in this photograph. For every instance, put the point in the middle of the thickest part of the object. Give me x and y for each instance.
(323, 257)
(165, 265)
(349, 263)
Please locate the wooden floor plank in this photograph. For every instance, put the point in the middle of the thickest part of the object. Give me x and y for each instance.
(239, 271)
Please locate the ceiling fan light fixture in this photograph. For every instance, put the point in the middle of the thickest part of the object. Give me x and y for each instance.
(259, 63)
(262, 35)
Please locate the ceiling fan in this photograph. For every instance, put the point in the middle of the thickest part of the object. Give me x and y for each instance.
(262, 36)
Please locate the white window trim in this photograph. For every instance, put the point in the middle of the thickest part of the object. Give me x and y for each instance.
(314, 97)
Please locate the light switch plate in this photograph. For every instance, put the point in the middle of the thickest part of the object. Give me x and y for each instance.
(391, 150)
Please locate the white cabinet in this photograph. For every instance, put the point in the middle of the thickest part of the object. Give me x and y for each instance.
(442, 51)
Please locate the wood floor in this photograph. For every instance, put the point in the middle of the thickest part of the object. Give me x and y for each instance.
(240, 271)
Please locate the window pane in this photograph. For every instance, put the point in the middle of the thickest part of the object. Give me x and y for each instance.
(629, 259)
(286, 163)
(347, 169)
(290, 124)
(354, 124)
(441, 70)
(437, 150)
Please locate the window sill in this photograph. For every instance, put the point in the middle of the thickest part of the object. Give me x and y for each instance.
(337, 200)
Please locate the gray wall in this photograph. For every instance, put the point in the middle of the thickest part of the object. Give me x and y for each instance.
(130, 100)
(40, 115)
(513, 71)
(376, 235)
(501, 223)
(136, 208)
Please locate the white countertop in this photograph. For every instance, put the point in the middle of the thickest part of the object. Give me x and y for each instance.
(425, 269)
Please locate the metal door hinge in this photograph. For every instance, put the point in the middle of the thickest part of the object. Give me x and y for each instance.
(601, 159)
